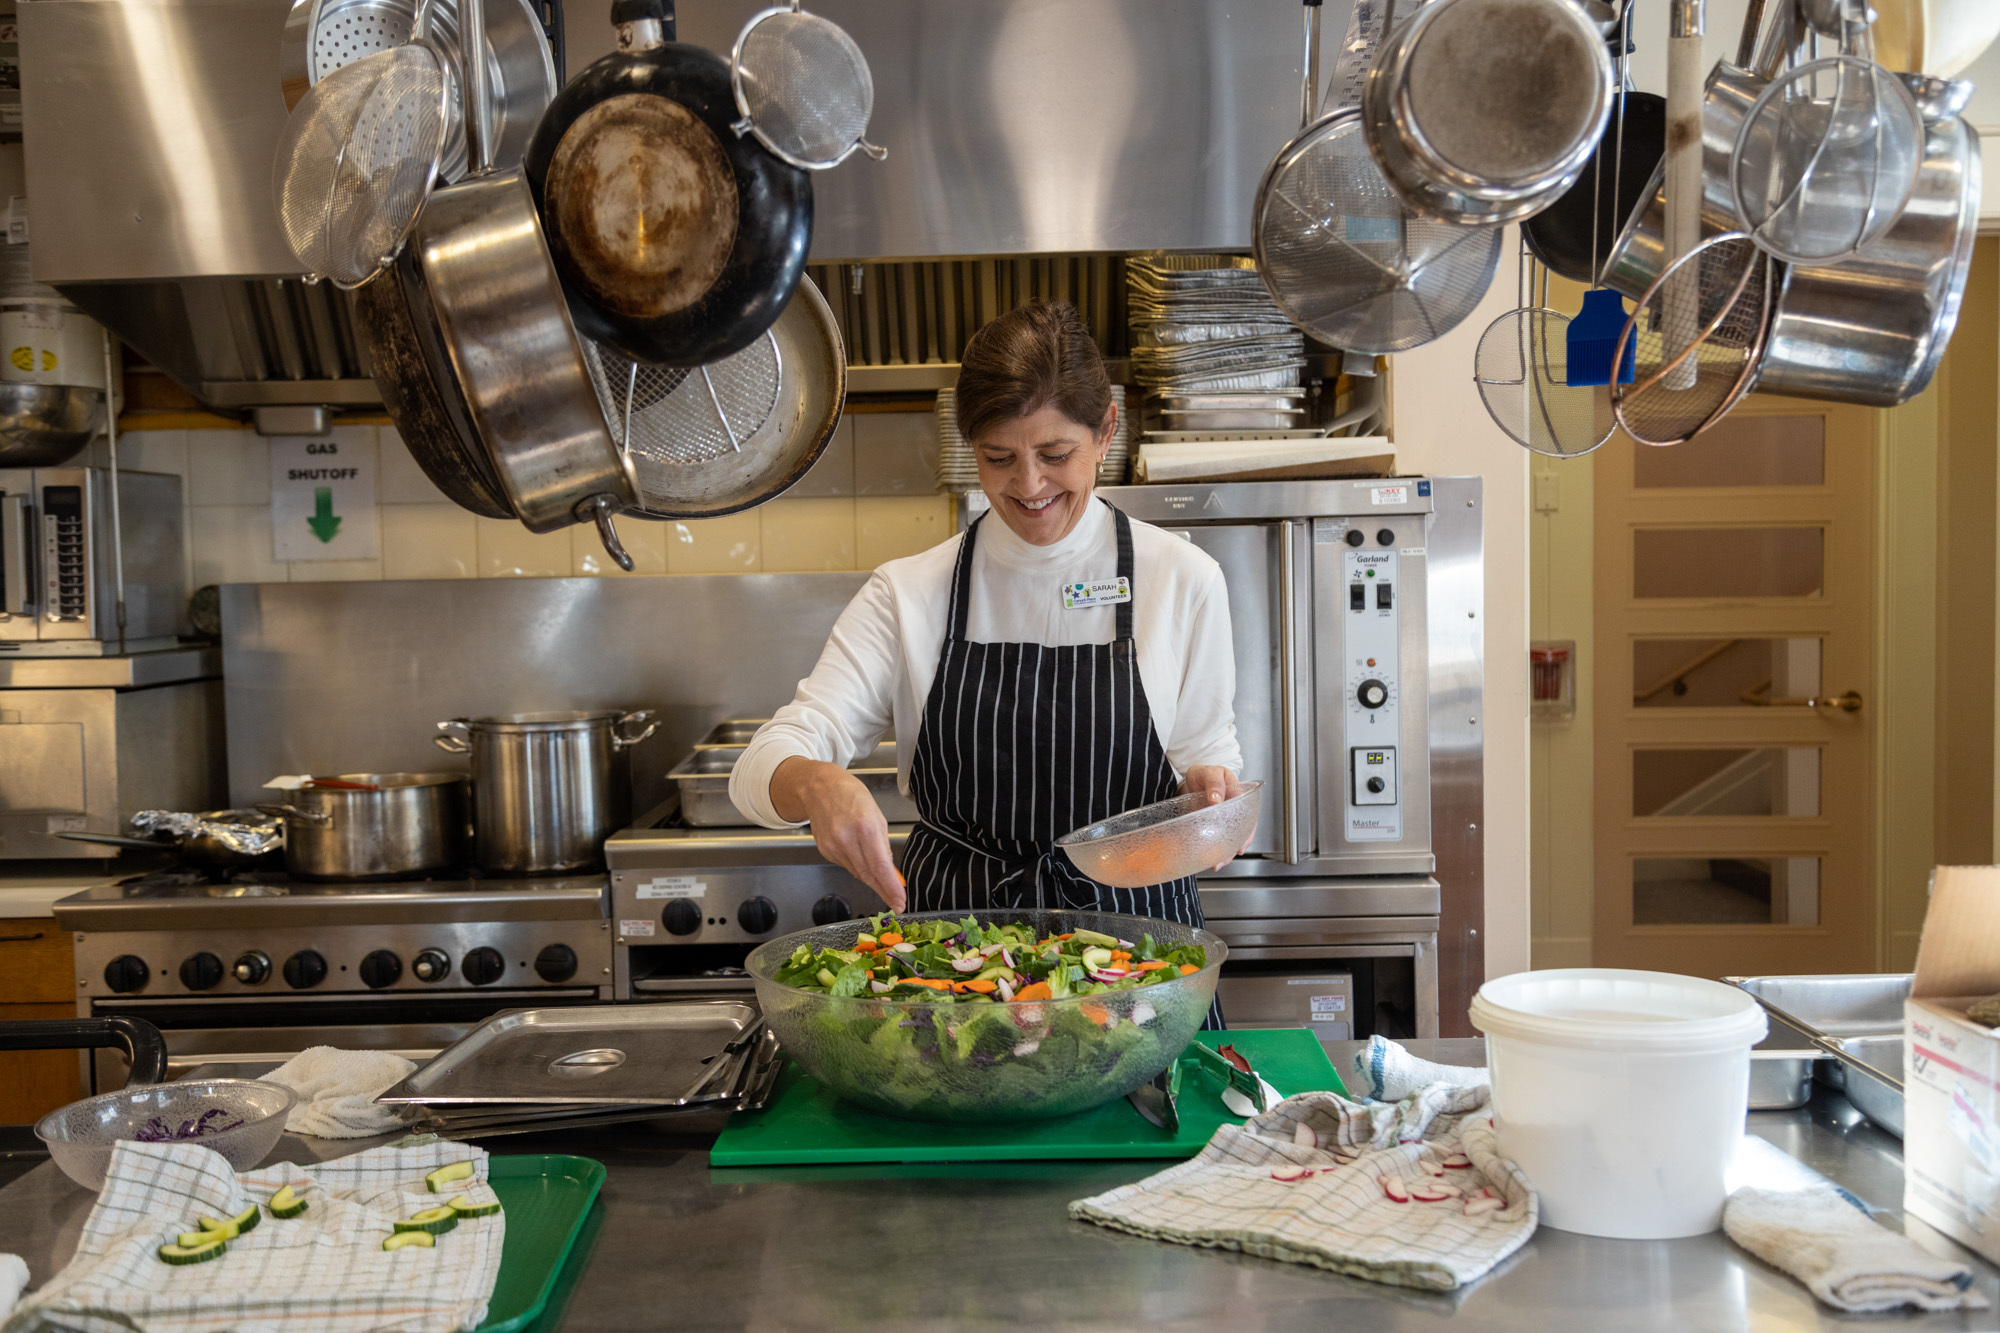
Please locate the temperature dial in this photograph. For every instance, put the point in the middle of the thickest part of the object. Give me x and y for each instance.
(1372, 693)
(830, 909)
(252, 969)
(126, 973)
(757, 915)
(201, 971)
(556, 963)
(483, 966)
(431, 965)
(304, 970)
(681, 917)
(381, 968)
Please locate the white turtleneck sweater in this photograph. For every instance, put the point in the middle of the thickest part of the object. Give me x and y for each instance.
(875, 674)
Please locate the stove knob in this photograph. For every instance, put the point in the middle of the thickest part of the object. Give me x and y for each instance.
(681, 917)
(304, 970)
(757, 915)
(830, 909)
(201, 971)
(1372, 694)
(556, 963)
(431, 965)
(484, 966)
(381, 968)
(127, 972)
(253, 968)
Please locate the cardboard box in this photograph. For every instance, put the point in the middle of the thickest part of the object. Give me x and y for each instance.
(1951, 1065)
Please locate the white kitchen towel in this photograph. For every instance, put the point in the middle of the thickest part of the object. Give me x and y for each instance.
(337, 1091)
(1310, 1181)
(324, 1271)
(13, 1281)
(1822, 1236)
(1390, 1073)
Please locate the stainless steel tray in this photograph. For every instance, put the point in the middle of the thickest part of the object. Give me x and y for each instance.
(1856, 1020)
(732, 733)
(594, 1055)
(703, 779)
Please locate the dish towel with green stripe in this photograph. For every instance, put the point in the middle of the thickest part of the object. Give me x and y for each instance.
(324, 1271)
(1313, 1181)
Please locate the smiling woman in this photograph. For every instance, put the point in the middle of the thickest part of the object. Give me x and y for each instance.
(1056, 668)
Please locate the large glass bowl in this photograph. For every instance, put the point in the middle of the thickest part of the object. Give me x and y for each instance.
(973, 1063)
(82, 1135)
(1168, 840)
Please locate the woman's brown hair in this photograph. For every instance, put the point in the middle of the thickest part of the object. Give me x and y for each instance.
(1038, 356)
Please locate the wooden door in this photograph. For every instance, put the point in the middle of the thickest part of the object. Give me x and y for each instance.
(1734, 626)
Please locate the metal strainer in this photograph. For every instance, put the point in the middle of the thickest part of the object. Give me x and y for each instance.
(357, 159)
(667, 416)
(1697, 357)
(803, 88)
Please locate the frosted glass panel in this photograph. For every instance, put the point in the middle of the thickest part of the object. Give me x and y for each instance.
(1728, 562)
(1740, 451)
(1726, 891)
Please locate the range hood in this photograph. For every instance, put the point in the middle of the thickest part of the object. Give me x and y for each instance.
(1014, 128)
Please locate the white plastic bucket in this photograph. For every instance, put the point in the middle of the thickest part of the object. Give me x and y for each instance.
(1620, 1094)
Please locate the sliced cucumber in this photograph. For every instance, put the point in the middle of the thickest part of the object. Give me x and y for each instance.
(244, 1221)
(195, 1239)
(286, 1203)
(403, 1240)
(207, 1246)
(1090, 937)
(436, 1221)
(447, 1175)
(465, 1207)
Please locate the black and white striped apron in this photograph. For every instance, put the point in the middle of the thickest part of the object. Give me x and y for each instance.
(1021, 743)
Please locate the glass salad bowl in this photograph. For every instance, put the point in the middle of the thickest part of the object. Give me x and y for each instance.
(243, 1119)
(1168, 840)
(973, 1061)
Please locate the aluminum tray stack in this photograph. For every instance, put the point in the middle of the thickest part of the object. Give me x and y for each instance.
(1204, 326)
(528, 1070)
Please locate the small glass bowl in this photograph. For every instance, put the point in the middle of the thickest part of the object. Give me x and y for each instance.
(1167, 840)
(82, 1135)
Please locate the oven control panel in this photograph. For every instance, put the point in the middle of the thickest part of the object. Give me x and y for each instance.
(316, 961)
(1372, 647)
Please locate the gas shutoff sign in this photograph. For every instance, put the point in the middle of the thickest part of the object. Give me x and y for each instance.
(323, 497)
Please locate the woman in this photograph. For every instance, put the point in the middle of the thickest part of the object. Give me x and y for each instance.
(1026, 709)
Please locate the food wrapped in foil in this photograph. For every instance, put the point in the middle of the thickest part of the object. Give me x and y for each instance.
(244, 831)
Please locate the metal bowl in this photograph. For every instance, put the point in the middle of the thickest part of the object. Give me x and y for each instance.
(46, 425)
(1165, 841)
(977, 1063)
(82, 1135)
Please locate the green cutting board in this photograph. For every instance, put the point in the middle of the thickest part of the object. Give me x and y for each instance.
(806, 1124)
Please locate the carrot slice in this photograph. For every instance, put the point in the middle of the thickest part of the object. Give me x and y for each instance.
(1153, 966)
(1038, 991)
(1189, 969)
(889, 937)
(1097, 1014)
(982, 987)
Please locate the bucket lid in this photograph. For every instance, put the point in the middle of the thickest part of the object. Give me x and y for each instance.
(1604, 1008)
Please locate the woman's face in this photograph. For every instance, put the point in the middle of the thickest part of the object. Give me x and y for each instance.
(1039, 471)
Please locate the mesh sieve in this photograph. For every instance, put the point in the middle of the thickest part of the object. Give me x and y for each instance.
(1348, 263)
(356, 161)
(803, 88)
(343, 33)
(1721, 322)
(667, 417)
(1520, 368)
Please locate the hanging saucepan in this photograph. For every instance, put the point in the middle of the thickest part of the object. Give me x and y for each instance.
(678, 242)
(1486, 111)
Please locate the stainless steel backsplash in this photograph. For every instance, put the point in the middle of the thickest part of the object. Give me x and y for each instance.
(353, 677)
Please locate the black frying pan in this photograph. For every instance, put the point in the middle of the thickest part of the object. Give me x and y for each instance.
(678, 242)
(1560, 235)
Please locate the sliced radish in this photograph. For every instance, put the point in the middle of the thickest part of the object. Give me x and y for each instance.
(972, 964)
(1481, 1207)
(1289, 1177)
(1302, 1134)
(1006, 991)
(1143, 1013)
(904, 947)
(1458, 1161)
(1006, 957)
(1429, 1194)
(880, 987)
(1394, 1189)
(1028, 1047)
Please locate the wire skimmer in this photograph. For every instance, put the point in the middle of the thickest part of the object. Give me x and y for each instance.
(803, 88)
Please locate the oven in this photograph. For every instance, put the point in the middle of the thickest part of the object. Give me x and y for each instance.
(254, 970)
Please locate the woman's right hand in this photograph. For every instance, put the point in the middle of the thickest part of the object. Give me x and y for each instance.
(847, 825)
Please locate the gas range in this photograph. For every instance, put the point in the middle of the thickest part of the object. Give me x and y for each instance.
(257, 938)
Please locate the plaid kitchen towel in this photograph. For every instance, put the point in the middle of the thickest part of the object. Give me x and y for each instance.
(324, 1271)
(1385, 1191)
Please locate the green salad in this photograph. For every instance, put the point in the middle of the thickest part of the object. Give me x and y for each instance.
(978, 1042)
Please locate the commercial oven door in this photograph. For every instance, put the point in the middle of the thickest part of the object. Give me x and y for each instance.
(1264, 568)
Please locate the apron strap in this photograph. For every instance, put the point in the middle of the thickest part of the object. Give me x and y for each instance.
(1124, 634)
(961, 584)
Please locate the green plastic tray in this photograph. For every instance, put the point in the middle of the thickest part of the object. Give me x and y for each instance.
(546, 1199)
(807, 1125)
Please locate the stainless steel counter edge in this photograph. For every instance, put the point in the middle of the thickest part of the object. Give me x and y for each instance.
(572, 899)
(165, 667)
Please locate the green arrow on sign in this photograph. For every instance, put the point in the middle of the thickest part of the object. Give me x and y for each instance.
(323, 521)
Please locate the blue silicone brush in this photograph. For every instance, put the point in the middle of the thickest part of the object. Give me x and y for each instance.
(1593, 338)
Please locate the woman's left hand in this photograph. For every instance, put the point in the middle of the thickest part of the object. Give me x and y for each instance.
(1220, 784)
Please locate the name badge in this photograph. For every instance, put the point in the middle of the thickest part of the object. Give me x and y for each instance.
(1104, 592)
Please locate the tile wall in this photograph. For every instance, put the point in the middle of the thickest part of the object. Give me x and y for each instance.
(871, 497)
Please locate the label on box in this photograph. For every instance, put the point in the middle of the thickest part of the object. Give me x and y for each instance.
(1389, 495)
(644, 928)
(1329, 1008)
(674, 886)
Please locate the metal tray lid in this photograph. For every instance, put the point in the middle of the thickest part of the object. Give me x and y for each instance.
(620, 1054)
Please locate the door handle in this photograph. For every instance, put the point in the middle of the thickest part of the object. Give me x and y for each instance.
(1850, 702)
(1288, 689)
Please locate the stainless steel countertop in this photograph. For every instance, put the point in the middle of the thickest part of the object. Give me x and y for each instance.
(982, 1245)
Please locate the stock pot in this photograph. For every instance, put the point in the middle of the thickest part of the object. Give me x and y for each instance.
(374, 826)
(544, 797)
